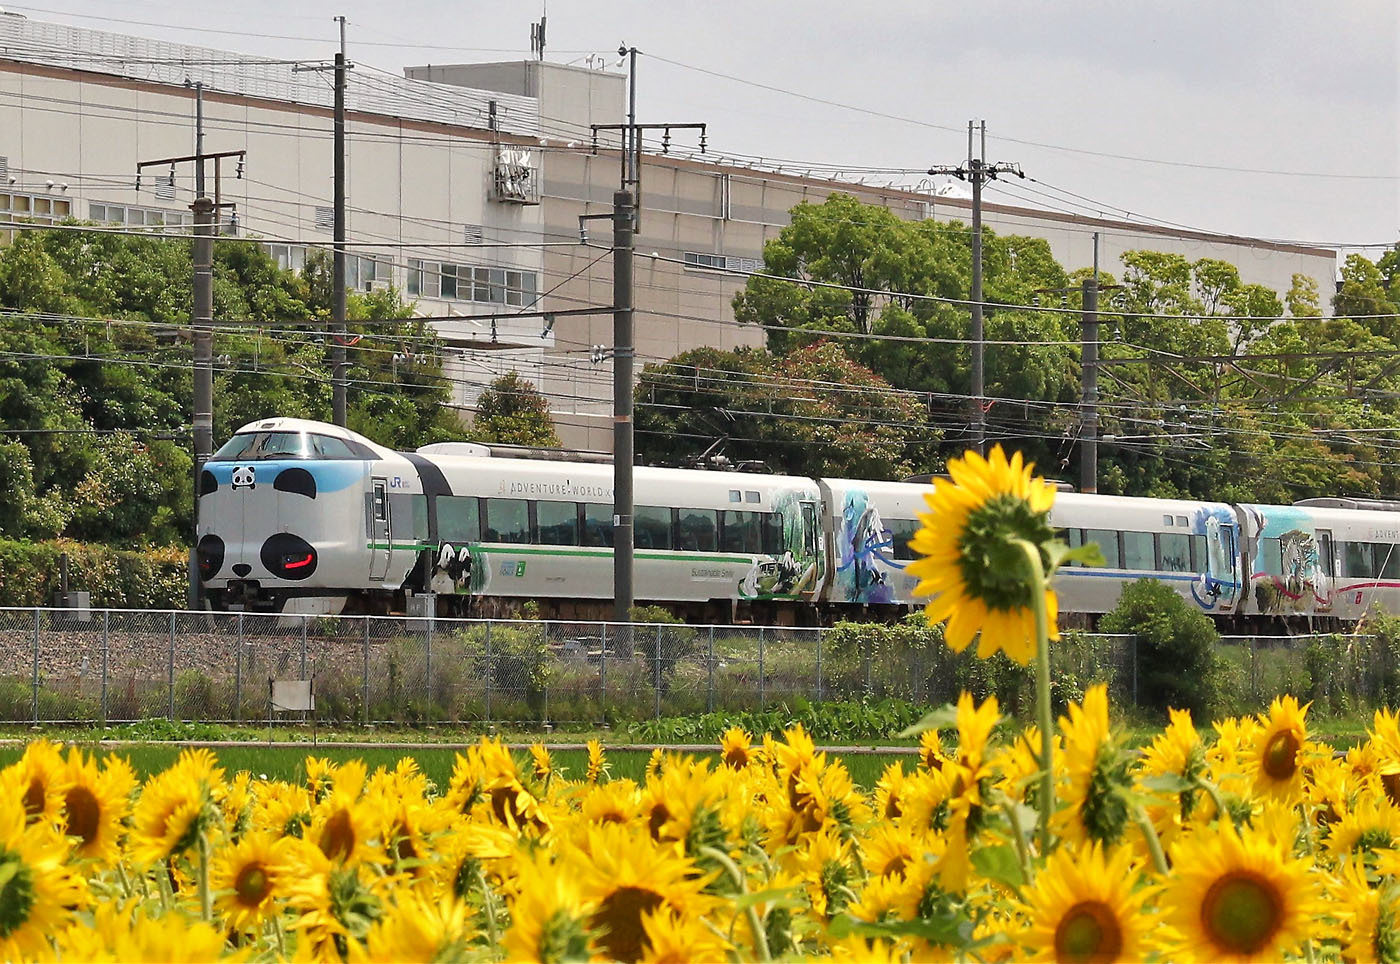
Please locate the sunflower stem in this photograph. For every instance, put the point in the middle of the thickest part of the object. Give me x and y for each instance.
(206, 900)
(1154, 843)
(123, 879)
(1214, 793)
(1043, 713)
(760, 937)
(489, 905)
(1018, 832)
(281, 937)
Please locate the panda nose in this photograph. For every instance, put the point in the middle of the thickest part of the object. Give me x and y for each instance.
(242, 569)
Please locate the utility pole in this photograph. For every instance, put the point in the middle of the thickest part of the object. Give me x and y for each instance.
(978, 172)
(625, 217)
(1089, 373)
(206, 211)
(339, 333)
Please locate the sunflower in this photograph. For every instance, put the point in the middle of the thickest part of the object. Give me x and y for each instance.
(617, 802)
(1370, 916)
(248, 878)
(1099, 773)
(1371, 826)
(542, 762)
(41, 777)
(1176, 751)
(931, 755)
(887, 850)
(38, 891)
(597, 762)
(625, 875)
(1085, 906)
(736, 748)
(176, 806)
(889, 792)
(332, 906)
(346, 827)
(1237, 896)
(549, 920)
(973, 565)
(170, 939)
(94, 805)
(1280, 749)
(673, 939)
(827, 872)
(281, 809)
(418, 929)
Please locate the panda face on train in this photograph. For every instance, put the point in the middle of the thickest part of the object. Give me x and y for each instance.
(244, 477)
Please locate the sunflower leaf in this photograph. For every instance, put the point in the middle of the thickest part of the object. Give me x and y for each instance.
(945, 927)
(1167, 783)
(778, 896)
(999, 862)
(1058, 554)
(943, 718)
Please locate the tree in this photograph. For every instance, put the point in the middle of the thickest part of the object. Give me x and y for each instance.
(810, 412)
(1173, 644)
(511, 411)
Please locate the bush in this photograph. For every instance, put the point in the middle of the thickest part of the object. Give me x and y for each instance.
(117, 579)
(1174, 646)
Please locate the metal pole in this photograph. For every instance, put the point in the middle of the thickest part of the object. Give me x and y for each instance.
(364, 679)
(338, 256)
(622, 408)
(979, 417)
(603, 671)
(710, 663)
(170, 673)
(106, 645)
(199, 139)
(656, 671)
(428, 663)
(819, 665)
(490, 675)
(1089, 374)
(761, 688)
(35, 694)
(303, 646)
(238, 674)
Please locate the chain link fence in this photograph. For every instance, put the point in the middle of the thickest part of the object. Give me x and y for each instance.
(112, 666)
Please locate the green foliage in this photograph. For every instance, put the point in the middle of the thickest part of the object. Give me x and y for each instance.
(120, 579)
(513, 412)
(826, 722)
(1174, 646)
(812, 411)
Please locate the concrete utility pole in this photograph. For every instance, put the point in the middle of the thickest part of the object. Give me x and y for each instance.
(1089, 374)
(206, 212)
(978, 172)
(626, 207)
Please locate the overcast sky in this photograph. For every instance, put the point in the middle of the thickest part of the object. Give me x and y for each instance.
(1218, 94)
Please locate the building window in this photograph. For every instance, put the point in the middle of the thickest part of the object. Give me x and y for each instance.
(483, 285)
(368, 272)
(289, 257)
(127, 214)
(720, 262)
(31, 207)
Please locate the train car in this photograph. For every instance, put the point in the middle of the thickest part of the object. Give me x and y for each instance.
(711, 545)
(301, 516)
(868, 532)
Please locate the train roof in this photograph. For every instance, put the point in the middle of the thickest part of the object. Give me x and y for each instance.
(282, 423)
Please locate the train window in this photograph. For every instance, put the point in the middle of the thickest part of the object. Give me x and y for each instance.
(328, 447)
(597, 524)
(1358, 560)
(751, 495)
(1270, 556)
(418, 509)
(507, 520)
(901, 531)
(773, 533)
(1324, 552)
(1167, 519)
(1175, 550)
(736, 496)
(1074, 538)
(1181, 521)
(557, 523)
(697, 530)
(742, 532)
(652, 527)
(459, 519)
(1388, 560)
(248, 446)
(1200, 558)
(1138, 552)
(1107, 541)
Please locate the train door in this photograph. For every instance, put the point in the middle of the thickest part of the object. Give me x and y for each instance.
(1321, 576)
(812, 544)
(380, 531)
(1230, 578)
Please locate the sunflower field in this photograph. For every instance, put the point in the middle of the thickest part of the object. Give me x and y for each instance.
(1271, 846)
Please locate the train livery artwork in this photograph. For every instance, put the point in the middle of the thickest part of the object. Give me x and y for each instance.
(301, 516)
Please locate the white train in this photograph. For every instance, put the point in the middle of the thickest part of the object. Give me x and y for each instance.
(303, 516)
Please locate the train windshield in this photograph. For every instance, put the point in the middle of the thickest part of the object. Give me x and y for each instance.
(252, 446)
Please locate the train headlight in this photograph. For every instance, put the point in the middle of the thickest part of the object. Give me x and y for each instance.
(210, 553)
(288, 557)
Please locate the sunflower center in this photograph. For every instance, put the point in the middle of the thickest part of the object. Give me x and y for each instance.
(657, 819)
(993, 566)
(563, 938)
(34, 797)
(1281, 755)
(619, 917)
(1088, 932)
(736, 757)
(253, 884)
(17, 894)
(83, 812)
(337, 840)
(895, 865)
(1242, 912)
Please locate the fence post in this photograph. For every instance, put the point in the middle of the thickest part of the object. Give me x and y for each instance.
(1135, 670)
(819, 664)
(710, 663)
(490, 672)
(549, 656)
(238, 673)
(761, 689)
(428, 697)
(304, 618)
(106, 626)
(865, 664)
(603, 673)
(656, 672)
(170, 672)
(36, 664)
(364, 679)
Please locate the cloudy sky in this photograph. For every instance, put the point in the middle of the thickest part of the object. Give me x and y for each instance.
(1278, 120)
